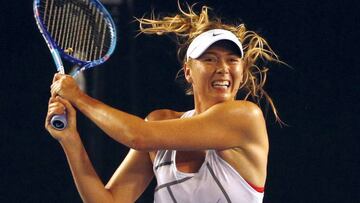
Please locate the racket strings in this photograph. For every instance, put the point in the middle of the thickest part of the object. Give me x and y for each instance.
(78, 27)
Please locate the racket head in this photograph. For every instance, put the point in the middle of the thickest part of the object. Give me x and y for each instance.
(81, 31)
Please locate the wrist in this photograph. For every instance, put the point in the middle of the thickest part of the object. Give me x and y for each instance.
(78, 99)
(71, 141)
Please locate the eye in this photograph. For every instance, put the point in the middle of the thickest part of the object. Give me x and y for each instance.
(234, 60)
(209, 59)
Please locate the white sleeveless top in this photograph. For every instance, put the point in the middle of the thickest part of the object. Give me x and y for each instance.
(215, 182)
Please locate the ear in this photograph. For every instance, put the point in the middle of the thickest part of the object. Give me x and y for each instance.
(244, 77)
(243, 70)
(187, 73)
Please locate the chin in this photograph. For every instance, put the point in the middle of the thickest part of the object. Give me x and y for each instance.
(223, 98)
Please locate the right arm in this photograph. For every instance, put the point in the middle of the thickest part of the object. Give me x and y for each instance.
(127, 183)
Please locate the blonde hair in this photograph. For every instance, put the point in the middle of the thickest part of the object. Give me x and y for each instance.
(187, 25)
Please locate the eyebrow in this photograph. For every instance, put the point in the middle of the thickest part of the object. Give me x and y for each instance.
(228, 54)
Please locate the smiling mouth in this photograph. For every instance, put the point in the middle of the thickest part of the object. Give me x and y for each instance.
(221, 84)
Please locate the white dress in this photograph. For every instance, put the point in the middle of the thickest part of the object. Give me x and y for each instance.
(215, 182)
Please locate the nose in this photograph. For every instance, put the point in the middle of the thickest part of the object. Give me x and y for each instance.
(222, 68)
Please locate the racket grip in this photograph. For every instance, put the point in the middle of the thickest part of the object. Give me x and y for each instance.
(59, 122)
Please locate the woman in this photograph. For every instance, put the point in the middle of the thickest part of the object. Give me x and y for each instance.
(214, 153)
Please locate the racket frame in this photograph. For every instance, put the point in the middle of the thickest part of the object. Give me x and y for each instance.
(57, 52)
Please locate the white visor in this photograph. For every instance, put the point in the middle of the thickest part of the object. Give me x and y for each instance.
(206, 39)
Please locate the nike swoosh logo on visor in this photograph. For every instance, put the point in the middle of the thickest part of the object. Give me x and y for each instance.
(214, 34)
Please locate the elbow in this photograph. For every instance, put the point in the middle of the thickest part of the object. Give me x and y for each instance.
(101, 196)
(139, 140)
(137, 143)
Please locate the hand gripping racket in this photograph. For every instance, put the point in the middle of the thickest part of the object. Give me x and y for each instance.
(79, 31)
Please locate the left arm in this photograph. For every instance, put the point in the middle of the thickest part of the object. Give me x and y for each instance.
(225, 125)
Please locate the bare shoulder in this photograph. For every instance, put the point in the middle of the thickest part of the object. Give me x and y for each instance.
(163, 114)
(238, 107)
(244, 117)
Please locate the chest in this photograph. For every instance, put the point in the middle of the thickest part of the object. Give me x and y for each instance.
(191, 161)
(186, 161)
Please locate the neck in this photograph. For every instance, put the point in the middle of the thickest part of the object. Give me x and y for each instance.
(203, 104)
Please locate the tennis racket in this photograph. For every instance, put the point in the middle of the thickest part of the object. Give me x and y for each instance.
(80, 31)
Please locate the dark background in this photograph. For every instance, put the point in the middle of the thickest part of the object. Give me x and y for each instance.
(314, 159)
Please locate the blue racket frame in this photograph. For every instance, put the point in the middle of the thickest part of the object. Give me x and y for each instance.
(57, 52)
(59, 122)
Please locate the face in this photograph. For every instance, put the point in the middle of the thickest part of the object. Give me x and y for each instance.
(217, 74)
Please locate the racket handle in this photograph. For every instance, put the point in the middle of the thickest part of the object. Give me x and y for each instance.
(59, 122)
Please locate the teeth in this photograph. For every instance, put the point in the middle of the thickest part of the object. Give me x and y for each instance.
(221, 83)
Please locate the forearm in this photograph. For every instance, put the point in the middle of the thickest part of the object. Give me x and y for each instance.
(89, 185)
(122, 127)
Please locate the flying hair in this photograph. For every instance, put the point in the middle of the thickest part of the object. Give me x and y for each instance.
(187, 24)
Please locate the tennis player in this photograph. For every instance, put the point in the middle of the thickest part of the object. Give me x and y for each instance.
(216, 152)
